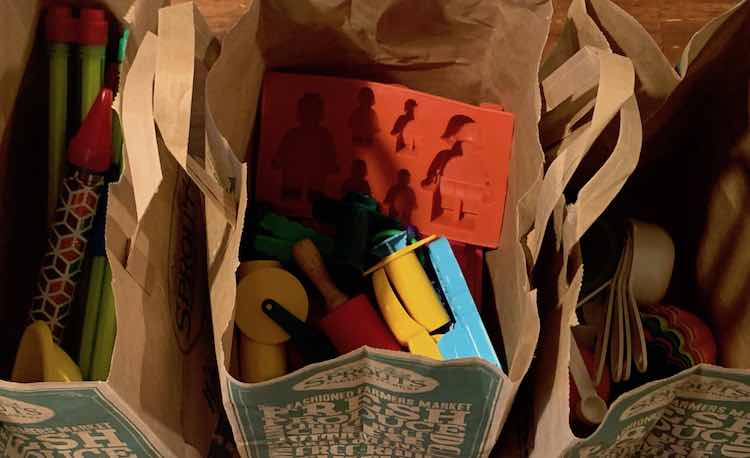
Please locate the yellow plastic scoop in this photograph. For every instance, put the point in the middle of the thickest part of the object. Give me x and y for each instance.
(407, 331)
(40, 359)
(414, 288)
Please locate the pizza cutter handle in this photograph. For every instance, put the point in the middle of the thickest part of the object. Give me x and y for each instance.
(309, 260)
(315, 347)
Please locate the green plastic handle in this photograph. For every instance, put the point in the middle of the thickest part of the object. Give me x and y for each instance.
(58, 116)
(91, 314)
(92, 75)
(106, 330)
(99, 325)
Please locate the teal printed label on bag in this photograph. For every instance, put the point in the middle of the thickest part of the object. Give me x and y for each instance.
(701, 412)
(370, 405)
(66, 423)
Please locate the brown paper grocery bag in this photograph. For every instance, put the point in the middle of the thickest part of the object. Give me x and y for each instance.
(691, 181)
(161, 396)
(482, 51)
(588, 93)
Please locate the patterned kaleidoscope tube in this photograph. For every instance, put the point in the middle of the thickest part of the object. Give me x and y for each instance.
(66, 248)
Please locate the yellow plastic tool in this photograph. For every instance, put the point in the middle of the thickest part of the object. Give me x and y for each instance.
(40, 359)
(413, 286)
(407, 331)
(269, 283)
(249, 266)
(259, 361)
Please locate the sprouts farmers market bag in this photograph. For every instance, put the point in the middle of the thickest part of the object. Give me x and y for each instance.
(160, 398)
(692, 180)
(371, 402)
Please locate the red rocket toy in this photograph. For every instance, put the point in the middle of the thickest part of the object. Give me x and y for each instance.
(89, 157)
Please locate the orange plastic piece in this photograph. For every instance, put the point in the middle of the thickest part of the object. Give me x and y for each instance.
(436, 163)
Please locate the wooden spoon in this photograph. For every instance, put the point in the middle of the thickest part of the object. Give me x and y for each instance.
(592, 406)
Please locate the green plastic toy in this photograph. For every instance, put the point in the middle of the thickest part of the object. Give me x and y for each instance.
(99, 325)
(59, 30)
(93, 30)
(276, 235)
(357, 220)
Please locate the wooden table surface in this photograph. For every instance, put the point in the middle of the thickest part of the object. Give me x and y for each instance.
(671, 22)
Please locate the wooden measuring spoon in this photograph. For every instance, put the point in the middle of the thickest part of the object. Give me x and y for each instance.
(622, 290)
(603, 342)
(627, 343)
(640, 351)
(592, 406)
(617, 347)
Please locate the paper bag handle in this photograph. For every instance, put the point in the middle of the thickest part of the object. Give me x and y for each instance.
(615, 95)
(657, 77)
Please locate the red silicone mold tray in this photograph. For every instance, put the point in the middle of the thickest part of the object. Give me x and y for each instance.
(438, 164)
